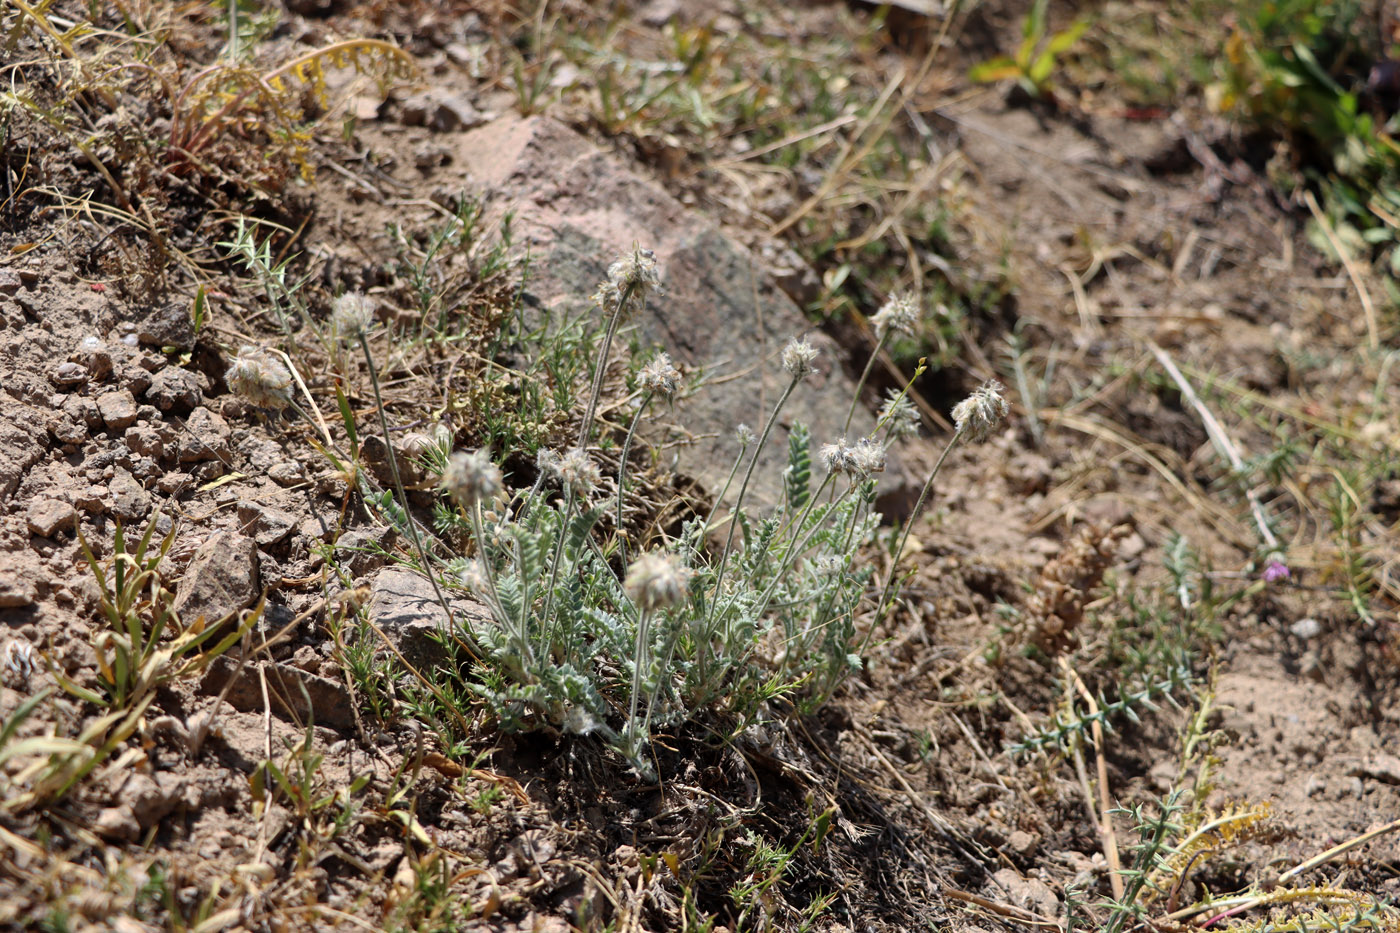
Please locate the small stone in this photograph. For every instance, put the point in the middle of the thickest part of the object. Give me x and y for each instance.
(205, 437)
(129, 500)
(15, 591)
(174, 389)
(1022, 843)
(83, 409)
(440, 111)
(1306, 628)
(145, 441)
(1381, 767)
(118, 409)
(66, 430)
(363, 552)
(221, 579)
(406, 609)
(116, 824)
(168, 326)
(151, 799)
(174, 483)
(266, 524)
(330, 700)
(93, 499)
(47, 517)
(68, 375)
(286, 473)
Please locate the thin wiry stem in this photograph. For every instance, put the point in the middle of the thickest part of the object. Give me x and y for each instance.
(869, 365)
(883, 605)
(403, 497)
(622, 472)
(748, 475)
(597, 389)
(643, 650)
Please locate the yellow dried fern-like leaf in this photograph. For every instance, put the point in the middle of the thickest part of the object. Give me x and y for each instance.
(1212, 833)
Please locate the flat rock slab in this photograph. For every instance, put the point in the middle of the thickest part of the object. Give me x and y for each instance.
(404, 606)
(579, 208)
(288, 690)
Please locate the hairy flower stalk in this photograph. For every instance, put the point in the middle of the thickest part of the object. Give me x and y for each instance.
(659, 377)
(361, 334)
(900, 312)
(579, 476)
(974, 418)
(629, 281)
(797, 358)
(654, 583)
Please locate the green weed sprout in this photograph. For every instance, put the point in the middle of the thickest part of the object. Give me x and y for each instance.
(1035, 58)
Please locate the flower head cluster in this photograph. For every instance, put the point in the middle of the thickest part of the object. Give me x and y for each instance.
(352, 316)
(577, 471)
(1276, 570)
(797, 358)
(260, 377)
(979, 414)
(862, 458)
(900, 312)
(656, 581)
(744, 434)
(660, 376)
(634, 276)
(471, 478)
(899, 416)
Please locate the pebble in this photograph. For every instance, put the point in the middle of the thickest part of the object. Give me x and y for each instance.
(47, 517)
(118, 409)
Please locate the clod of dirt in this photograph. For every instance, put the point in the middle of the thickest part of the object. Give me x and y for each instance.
(168, 326)
(266, 524)
(127, 498)
(15, 591)
(363, 552)
(440, 111)
(205, 437)
(47, 517)
(118, 409)
(221, 579)
(174, 389)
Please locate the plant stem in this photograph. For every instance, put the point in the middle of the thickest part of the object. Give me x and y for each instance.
(403, 498)
(748, 475)
(639, 662)
(869, 365)
(598, 374)
(882, 607)
(622, 472)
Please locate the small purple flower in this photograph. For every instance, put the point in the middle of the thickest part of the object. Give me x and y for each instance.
(1275, 571)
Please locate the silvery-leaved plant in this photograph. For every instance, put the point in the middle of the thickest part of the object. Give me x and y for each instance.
(741, 607)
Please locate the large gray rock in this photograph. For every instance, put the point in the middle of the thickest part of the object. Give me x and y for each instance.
(578, 208)
(288, 692)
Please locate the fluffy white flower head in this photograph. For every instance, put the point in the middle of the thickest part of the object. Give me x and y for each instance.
(900, 312)
(634, 276)
(660, 376)
(656, 581)
(352, 316)
(577, 471)
(979, 414)
(471, 478)
(797, 358)
(261, 377)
